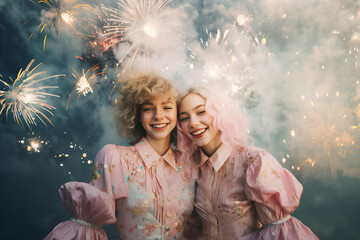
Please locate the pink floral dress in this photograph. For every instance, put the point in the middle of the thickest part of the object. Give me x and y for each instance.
(244, 193)
(153, 194)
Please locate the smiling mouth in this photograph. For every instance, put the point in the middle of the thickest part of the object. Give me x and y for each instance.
(198, 133)
(159, 126)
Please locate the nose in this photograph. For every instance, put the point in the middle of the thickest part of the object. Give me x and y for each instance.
(158, 114)
(194, 121)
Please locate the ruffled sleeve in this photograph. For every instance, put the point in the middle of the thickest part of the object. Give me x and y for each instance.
(110, 172)
(89, 208)
(276, 194)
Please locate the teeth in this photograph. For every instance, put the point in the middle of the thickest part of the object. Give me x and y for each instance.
(159, 125)
(198, 132)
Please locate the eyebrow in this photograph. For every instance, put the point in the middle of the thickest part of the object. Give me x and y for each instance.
(149, 103)
(198, 106)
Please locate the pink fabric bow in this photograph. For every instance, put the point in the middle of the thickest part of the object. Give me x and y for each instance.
(89, 207)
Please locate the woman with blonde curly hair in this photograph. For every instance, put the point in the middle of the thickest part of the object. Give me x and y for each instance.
(152, 190)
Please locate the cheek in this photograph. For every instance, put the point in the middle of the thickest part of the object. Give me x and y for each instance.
(184, 127)
(144, 118)
(209, 120)
(173, 116)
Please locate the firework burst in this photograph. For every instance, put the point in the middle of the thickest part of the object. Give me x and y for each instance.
(329, 131)
(85, 83)
(142, 30)
(348, 32)
(25, 99)
(220, 65)
(56, 14)
(33, 143)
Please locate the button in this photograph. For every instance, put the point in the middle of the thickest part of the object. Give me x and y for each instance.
(167, 228)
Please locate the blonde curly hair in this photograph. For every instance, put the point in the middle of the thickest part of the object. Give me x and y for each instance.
(136, 88)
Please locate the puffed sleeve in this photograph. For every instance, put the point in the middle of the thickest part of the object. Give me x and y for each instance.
(110, 172)
(89, 208)
(276, 194)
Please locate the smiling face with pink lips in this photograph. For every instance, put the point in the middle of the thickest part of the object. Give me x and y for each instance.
(158, 118)
(197, 124)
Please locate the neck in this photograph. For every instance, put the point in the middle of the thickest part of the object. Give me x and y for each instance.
(210, 148)
(161, 146)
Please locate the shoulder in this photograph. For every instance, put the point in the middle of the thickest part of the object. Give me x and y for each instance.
(248, 151)
(116, 148)
(252, 156)
(111, 153)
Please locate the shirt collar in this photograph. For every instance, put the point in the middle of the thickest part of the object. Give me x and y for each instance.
(150, 156)
(218, 159)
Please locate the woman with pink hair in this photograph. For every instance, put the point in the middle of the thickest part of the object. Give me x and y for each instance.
(242, 191)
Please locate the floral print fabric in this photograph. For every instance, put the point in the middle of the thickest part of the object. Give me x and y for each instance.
(153, 194)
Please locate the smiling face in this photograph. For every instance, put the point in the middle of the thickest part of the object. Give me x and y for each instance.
(158, 118)
(197, 124)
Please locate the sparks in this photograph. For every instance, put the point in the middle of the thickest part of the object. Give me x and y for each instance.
(55, 14)
(74, 151)
(33, 143)
(221, 65)
(85, 83)
(25, 98)
(67, 17)
(142, 30)
(328, 131)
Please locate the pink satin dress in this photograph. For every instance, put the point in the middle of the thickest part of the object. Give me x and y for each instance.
(244, 193)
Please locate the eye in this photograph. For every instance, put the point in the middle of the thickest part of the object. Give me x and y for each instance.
(146, 109)
(183, 119)
(168, 107)
(201, 112)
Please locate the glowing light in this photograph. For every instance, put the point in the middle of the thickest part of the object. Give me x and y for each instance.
(263, 41)
(355, 37)
(25, 98)
(212, 70)
(242, 20)
(328, 131)
(33, 143)
(142, 30)
(85, 82)
(83, 85)
(220, 65)
(67, 17)
(150, 30)
(292, 133)
(352, 40)
(55, 14)
(72, 152)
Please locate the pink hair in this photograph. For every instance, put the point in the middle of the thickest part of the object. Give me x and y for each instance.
(228, 118)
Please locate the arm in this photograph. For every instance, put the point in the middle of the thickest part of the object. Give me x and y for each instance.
(276, 194)
(89, 209)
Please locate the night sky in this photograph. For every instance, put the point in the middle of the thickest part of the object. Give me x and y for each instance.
(292, 64)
